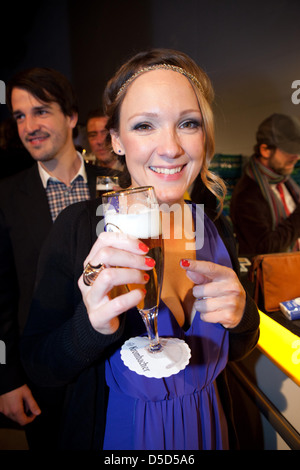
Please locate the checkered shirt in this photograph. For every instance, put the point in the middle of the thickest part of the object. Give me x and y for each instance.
(60, 195)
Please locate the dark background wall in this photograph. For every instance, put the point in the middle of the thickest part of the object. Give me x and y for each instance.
(249, 49)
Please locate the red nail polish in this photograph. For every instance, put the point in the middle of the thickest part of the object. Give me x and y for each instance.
(144, 291)
(185, 263)
(146, 277)
(149, 262)
(143, 247)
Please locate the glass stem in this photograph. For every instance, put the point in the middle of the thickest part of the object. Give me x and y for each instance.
(150, 320)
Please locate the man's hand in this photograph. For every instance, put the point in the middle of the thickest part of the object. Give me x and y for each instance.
(19, 405)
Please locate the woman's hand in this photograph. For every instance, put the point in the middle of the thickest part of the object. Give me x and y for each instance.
(128, 254)
(220, 297)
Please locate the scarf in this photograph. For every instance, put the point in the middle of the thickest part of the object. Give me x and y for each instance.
(264, 177)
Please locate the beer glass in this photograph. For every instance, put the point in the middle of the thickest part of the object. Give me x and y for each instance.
(105, 183)
(135, 212)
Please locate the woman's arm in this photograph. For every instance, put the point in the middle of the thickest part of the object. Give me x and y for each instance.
(59, 340)
(70, 324)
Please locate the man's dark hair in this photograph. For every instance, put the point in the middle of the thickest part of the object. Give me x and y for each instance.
(46, 85)
(95, 113)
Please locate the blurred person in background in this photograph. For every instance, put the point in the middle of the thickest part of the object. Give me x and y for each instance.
(265, 205)
(96, 134)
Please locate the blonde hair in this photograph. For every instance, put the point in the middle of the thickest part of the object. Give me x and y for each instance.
(143, 62)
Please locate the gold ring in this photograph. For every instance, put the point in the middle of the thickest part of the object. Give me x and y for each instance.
(90, 273)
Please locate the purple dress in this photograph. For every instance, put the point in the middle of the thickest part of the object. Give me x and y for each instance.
(180, 412)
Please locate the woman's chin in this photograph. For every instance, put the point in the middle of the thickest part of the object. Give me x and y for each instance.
(169, 197)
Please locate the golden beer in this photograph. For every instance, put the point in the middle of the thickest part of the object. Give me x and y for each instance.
(154, 285)
(135, 212)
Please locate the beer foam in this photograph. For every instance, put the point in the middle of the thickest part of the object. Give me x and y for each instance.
(102, 186)
(146, 224)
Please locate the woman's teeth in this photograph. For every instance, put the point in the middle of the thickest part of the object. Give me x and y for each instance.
(166, 171)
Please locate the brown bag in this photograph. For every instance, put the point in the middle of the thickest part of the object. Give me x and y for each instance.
(276, 277)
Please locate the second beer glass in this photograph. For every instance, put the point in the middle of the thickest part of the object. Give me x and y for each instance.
(105, 183)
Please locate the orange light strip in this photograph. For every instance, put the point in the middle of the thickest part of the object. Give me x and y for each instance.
(281, 346)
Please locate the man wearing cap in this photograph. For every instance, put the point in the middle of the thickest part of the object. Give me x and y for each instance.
(265, 205)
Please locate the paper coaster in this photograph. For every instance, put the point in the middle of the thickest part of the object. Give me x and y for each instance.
(173, 357)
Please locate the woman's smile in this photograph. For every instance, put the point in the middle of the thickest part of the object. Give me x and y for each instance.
(168, 171)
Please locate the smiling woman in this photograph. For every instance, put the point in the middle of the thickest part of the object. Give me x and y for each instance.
(177, 64)
(159, 118)
(164, 145)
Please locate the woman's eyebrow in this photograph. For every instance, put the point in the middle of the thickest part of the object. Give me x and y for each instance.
(154, 114)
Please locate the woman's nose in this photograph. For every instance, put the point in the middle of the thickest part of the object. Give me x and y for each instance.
(169, 144)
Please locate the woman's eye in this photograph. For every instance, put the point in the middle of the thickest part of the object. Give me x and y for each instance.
(143, 126)
(192, 124)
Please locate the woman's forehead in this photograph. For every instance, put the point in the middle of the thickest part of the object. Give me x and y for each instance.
(169, 77)
(159, 85)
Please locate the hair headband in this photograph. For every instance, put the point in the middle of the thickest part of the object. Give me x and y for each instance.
(160, 66)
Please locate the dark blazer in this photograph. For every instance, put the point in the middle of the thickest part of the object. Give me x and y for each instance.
(25, 222)
(252, 220)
